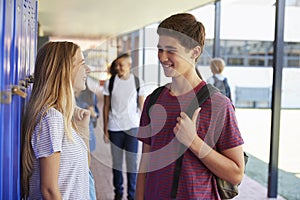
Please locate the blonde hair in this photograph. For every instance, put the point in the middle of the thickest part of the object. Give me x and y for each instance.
(52, 88)
(217, 65)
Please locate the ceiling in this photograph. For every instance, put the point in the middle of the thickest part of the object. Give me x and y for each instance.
(105, 18)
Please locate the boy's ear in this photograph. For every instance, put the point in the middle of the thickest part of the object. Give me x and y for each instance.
(196, 52)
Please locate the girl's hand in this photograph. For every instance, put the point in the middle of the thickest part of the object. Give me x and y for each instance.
(82, 119)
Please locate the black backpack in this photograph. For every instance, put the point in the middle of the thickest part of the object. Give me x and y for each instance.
(137, 86)
(223, 86)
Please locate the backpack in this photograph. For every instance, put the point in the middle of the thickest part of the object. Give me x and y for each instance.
(137, 86)
(223, 86)
(226, 190)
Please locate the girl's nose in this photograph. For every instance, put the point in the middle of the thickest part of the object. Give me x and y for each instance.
(87, 69)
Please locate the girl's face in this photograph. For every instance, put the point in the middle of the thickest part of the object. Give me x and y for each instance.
(176, 60)
(79, 72)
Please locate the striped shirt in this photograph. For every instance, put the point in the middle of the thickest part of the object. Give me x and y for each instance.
(48, 138)
(216, 125)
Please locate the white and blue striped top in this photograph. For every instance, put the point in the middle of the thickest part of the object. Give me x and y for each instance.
(48, 138)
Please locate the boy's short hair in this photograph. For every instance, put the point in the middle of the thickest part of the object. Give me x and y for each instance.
(185, 28)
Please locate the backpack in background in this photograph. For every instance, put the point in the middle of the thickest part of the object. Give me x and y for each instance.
(223, 86)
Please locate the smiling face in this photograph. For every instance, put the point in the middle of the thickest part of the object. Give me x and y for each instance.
(123, 67)
(79, 72)
(176, 60)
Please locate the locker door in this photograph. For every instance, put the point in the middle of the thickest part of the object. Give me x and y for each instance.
(18, 39)
(6, 107)
(1, 89)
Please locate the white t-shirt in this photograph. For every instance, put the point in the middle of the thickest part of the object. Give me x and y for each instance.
(48, 138)
(124, 113)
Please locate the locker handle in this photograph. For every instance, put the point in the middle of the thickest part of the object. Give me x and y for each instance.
(17, 91)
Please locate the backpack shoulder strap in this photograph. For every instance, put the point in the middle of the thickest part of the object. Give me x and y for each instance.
(215, 78)
(202, 95)
(137, 86)
(152, 99)
(227, 88)
(110, 87)
(111, 84)
(137, 83)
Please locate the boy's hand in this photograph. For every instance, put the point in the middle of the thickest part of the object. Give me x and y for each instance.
(185, 129)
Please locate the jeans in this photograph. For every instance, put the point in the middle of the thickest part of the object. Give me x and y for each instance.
(92, 186)
(92, 139)
(124, 141)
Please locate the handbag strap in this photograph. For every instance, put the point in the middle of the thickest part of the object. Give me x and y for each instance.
(202, 95)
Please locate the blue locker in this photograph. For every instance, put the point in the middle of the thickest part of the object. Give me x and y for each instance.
(6, 147)
(17, 52)
(1, 89)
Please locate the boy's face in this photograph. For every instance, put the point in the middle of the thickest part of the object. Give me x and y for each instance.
(176, 60)
(124, 65)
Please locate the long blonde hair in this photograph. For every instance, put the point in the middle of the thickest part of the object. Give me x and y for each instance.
(52, 88)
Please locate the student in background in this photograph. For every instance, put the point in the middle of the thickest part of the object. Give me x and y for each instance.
(123, 101)
(212, 141)
(54, 130)
(87, 99)
(217, 66)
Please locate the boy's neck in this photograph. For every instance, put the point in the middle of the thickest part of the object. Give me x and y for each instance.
(181, 86)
